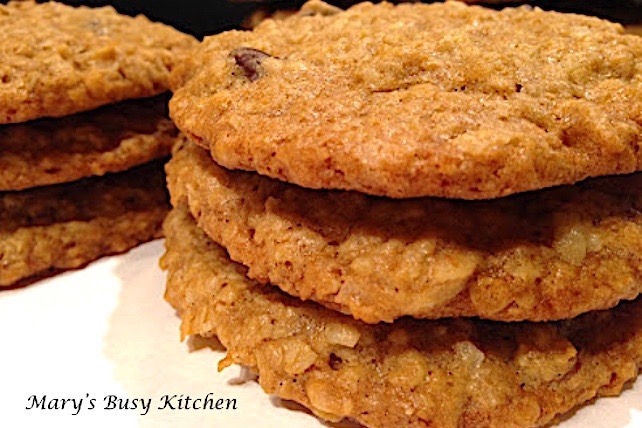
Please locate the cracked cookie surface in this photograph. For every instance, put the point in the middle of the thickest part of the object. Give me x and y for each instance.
(418, 100)
(59, 60)
(69, 225)
(448, 373)
(111, 139)
(538, 256)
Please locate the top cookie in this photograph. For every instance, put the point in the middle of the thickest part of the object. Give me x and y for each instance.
(58, 60)
(418, 100)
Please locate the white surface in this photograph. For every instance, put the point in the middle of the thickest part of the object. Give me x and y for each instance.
(107, 330)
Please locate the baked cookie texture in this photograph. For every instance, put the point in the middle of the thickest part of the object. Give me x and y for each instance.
(538, 256)
(447, 373)
(111, 139)
(69, 225)
(415, 100)
(58, 60)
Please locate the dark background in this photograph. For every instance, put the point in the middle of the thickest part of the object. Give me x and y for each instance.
(202, 17)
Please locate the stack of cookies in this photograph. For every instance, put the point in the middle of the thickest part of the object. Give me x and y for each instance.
(416, 238)
(80, 98)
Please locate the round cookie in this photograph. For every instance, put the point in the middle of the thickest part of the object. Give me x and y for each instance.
(448, 373)
(69, 225)
(539, 256)
(111, 139)
(59, 60)
(418, 100)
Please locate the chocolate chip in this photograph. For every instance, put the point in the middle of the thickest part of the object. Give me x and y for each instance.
(335, 361)
(249, 60)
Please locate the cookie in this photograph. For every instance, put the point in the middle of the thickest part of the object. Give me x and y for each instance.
(448, 373)
(634, 29)
(58, 60)
(69, 225)
(261, 14)
(539, 256)
(418, 100)
(111, 139)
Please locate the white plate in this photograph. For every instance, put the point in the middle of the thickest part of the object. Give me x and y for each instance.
(106, 330)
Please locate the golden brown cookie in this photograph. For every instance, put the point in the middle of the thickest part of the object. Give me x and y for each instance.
(539, 256)
(418, 100)
(69, 225)
(58, 60)
(110, 139)
(449, 373)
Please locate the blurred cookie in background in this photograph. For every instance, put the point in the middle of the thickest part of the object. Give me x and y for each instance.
(81, 96)
(261, 15)
(48, 229)
(204, 17)
(634, 29)
(109, 139)
(59, 60)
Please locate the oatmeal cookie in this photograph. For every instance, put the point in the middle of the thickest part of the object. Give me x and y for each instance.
(110, 139)
(59, 60)
(68, 225)
(418, 100)
(543, 255)
(447, 373)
